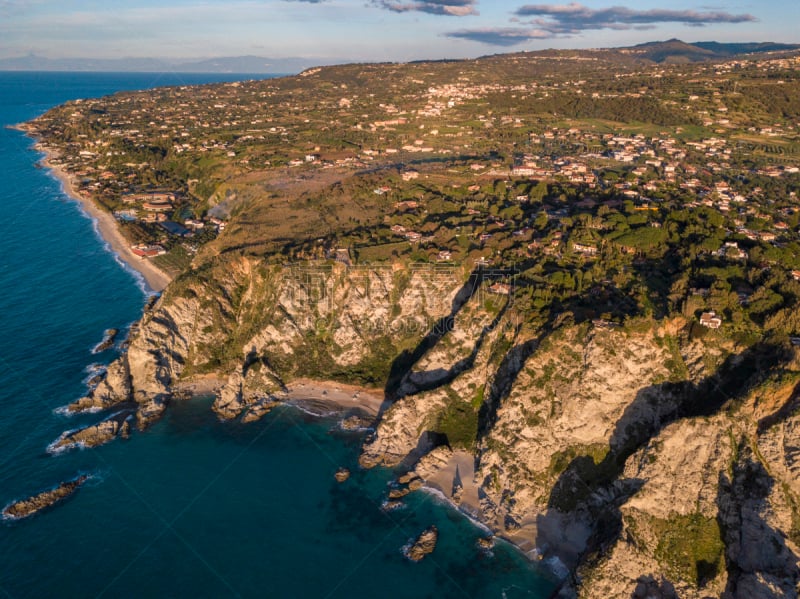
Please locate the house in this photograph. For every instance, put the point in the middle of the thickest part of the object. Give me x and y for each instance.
(710, 320)
(500, 289)
(586, 250)
(148, 251)
(157, 206)
(444, 256)
(193, 223)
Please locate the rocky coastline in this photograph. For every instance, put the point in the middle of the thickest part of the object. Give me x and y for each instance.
(587, 472)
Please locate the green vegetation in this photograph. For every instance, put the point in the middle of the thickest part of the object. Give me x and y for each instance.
(562, 459)
(689, 546)
(459, 422)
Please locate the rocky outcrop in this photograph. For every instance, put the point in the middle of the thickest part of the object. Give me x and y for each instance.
(37, 503)
(107, 342)
(249, 392)
(761, 561)
(101, 433)
(448, 381)
(605, 448)
(342, 474)
(423, 545)
(355, 423)
(113, 388)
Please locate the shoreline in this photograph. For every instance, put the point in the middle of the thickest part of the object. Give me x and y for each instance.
(342, 395)
(338, 396)
(441, 480)
(106, 227)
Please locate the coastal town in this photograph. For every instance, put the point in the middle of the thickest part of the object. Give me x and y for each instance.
(455, 165)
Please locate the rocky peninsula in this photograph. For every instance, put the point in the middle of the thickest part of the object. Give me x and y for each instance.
(567, 302)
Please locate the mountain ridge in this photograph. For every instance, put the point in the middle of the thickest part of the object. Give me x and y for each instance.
(673, 50)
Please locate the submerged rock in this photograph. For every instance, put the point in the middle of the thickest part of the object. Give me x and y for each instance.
(342, 474)
(117, 425)
(259, 410)
(407, 478)
(425, 544)
(95, 380)
(398, 493)
(486, 542)
(354, 423)
(109, 337)
(390, 506)
(32, 505)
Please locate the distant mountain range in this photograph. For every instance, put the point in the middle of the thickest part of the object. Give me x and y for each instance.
(235, 64)
(671, 51)
(676, 51)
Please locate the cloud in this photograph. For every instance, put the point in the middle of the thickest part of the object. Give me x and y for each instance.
(452, 8)
(500, 36)
(569, 19)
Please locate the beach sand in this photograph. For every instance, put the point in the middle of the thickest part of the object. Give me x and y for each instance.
(336, 395)
(461, 467)
(327, 395)
(155, 278)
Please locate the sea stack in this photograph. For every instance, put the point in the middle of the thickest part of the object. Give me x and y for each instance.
(425, 544)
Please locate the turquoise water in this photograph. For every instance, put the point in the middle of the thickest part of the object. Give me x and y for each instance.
(192, 507)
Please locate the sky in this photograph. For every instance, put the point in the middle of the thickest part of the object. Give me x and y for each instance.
(373, 30)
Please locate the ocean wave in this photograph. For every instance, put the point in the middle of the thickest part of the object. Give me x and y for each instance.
(93, 370)
(557, 567)
(65, 411)
(53, 450)
(298, 405)
(473, 518)
(141, 283)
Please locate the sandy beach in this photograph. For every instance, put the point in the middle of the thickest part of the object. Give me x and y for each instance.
(330, 394)
(155, 278)
(461, 468)
(336, 395)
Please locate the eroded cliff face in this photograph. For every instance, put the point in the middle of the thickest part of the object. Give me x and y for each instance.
(649, 463)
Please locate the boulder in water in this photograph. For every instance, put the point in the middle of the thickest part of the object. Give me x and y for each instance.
(109, 337)
(424, 544)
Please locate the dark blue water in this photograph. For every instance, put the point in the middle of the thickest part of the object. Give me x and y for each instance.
(192, 507)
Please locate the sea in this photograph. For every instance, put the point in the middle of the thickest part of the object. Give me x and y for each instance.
(191, 507)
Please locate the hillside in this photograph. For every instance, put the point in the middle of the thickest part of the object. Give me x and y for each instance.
(573, 276)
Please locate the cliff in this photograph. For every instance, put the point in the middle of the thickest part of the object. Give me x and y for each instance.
(644, 459)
